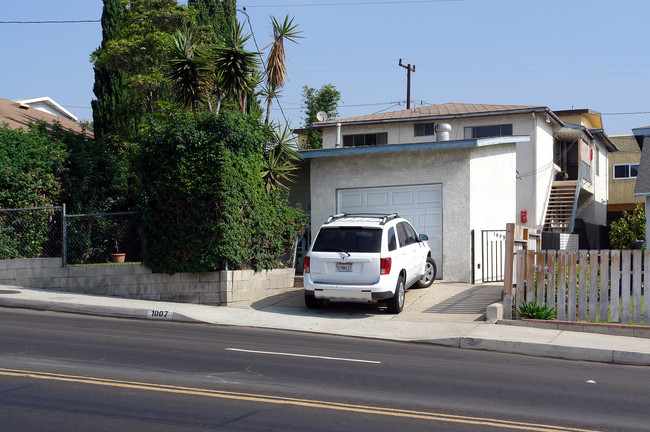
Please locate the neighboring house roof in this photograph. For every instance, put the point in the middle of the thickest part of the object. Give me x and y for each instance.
(641, 134)
(46, 104)
(441, 111)
(20, 115)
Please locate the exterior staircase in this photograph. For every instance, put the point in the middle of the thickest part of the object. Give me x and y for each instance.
(560, 206)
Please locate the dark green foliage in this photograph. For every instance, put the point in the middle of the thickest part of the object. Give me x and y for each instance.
(532, 310)
(204, 207)
(130, 64)
(236, 67)
(624, 232)
(325, 99)
(31, 166)
(95, 180)
(189, 70)
(111, 115)
(220, 15)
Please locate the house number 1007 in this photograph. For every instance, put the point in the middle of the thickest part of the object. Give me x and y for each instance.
(160, 314)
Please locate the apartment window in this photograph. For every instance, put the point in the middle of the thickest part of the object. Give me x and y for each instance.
(365, 139)
(423, 129)
(488, 131)
(626, 171)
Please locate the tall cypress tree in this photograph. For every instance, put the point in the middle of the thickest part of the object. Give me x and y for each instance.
(110, 108)
(111, 123)
(220, 14)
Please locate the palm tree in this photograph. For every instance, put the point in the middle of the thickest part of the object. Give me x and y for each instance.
(276, 71)
(281, 158)
(189, 69)
(236, 67)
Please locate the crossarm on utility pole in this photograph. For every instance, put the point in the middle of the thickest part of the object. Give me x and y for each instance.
(409, 69)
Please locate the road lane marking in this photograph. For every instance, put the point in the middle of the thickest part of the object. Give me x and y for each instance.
(251, 397)
(304, 356)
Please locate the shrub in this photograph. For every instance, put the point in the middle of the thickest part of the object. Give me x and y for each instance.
(203, 203)
(624, 232)
(31, 166)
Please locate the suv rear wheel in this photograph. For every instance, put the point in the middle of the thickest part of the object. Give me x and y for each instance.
(396, 304)
(312, 302)
(429, 274)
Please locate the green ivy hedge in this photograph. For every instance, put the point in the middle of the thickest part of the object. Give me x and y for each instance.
(203, 202)
(31, 166)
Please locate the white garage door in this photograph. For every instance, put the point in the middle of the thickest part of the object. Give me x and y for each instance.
(421, 205)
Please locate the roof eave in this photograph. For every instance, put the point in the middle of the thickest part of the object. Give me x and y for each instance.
(392, 148)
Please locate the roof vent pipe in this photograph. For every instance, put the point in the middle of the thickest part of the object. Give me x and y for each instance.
(338, 135)
(442, 131)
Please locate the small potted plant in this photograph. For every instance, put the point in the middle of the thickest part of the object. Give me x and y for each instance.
(561, 175)
(117, 257)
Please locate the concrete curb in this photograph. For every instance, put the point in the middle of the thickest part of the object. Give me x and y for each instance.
(550, 343)
(108, 311)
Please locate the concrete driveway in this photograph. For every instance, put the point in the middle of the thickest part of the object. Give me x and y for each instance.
(441, 302)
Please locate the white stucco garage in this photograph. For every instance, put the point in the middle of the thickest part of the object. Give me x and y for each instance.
(420, 204)
(445, 189)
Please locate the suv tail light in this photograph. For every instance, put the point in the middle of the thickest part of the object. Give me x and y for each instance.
(305, 266)
(384, 265)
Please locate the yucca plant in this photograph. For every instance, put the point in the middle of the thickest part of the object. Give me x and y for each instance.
(532, 310)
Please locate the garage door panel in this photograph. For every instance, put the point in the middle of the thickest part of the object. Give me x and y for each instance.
(377, 199)
(430, 197)
(403, 198)
(352, 200)
(431, 223)
(422, 205)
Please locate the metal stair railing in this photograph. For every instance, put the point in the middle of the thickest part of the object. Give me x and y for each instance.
(575, 201)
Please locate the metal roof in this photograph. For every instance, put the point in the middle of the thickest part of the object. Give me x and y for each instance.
(439, 112)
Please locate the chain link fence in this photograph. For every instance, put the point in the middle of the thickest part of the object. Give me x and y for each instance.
(31, 232)
(48, 232)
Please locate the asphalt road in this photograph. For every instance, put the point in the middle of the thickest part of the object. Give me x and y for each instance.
(69, 372)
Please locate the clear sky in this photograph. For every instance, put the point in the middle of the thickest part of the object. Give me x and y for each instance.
(561, 54)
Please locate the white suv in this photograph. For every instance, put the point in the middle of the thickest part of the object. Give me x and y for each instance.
(367, 258)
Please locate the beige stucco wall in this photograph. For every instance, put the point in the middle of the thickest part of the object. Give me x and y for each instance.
(621, 191)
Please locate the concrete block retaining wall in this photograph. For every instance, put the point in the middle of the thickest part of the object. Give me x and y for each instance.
(228, 288)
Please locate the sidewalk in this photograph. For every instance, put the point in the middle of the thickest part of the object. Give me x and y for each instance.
(447, 314)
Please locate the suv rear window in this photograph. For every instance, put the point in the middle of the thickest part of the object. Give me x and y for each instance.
(348, 239)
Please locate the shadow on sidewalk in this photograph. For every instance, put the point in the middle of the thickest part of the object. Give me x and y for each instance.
(293, 303)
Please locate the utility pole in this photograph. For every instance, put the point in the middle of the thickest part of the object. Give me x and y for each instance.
(409, 69)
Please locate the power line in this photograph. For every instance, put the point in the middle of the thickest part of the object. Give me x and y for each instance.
(369, 3)
(352, 3)
(52, 22)
(86, 21)
(628, 113)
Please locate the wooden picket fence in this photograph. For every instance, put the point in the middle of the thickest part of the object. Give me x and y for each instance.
(603, 286)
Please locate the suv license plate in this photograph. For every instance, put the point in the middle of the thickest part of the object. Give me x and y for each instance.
(343, 267)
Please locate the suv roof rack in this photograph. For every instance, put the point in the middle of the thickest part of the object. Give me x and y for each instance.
(384, 217)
